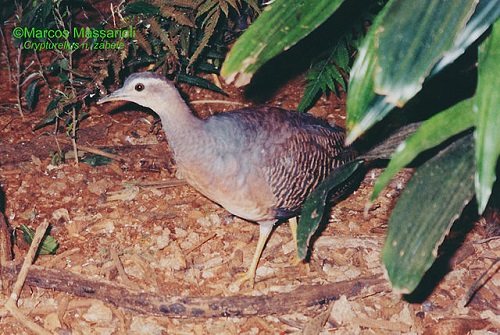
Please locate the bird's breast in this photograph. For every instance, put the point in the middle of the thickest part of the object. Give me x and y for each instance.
(233, 184)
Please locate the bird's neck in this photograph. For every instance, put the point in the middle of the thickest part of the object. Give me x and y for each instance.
(183, 129)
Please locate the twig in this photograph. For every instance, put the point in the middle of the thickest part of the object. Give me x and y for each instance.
(73, 136)
(486, 240)
(200, 244)
(210, 101)
(159, 183)
(480, 283)
(5, 243)
(6, 52)
(10, 172)
(93, 150)
(11, 304)
(58, 258)
(118, 265)
(5, 249)
(8, 122)
(44, 309)
(30, 256)
(153, 303)
(18, 81)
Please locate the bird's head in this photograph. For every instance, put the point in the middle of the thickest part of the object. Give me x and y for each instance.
(147, 89)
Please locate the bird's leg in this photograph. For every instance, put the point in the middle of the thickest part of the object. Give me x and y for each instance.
(292, 222)
(265, 229)
(293, 227)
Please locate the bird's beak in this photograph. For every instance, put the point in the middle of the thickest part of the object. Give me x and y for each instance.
(115, 96)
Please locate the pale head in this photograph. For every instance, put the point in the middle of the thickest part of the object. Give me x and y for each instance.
(147, 89)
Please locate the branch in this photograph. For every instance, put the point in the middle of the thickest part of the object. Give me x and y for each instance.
(191, 306)
(11, 304)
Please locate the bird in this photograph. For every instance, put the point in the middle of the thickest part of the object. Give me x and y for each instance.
(259, 163)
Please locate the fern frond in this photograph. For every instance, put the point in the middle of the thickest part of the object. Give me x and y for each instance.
(191, 4)
(209, 29)
(321, 78)
(159, 32)
(182, 17)
(206, 7)
(116, 64)
(224, 7)
(124, 53)
(331, 74)
(143, 43)
(254, 4)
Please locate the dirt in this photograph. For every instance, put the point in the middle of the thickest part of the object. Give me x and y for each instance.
(131, 224)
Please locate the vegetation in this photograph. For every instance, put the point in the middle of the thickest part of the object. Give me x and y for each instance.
(329, 71)
(181, 38)
(409, 45)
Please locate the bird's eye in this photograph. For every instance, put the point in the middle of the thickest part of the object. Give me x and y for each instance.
(139, 87)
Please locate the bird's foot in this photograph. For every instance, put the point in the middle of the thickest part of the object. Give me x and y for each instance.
(265, 229)
(296, 261)
(242, 278)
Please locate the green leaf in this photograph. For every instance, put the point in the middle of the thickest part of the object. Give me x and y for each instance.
(98, 160)
(63, 78)
(404, 44)
(200, 82)
(203, 66)
(431, 133)
(48, 246)
(141, 7)
(29, 95)
(50, 114)
(53, 104)
(427, 30)
(431, 201)
(280, 26)
(486, 13)
(314, 207)
(64, 64)
(37, 15)
(487, 102)
(364, 106)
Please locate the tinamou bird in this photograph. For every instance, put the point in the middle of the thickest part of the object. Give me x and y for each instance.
(259, 163)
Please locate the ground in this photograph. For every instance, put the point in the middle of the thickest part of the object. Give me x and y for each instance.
(132, 224)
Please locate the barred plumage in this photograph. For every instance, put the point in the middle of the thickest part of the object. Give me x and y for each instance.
(260, 163)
